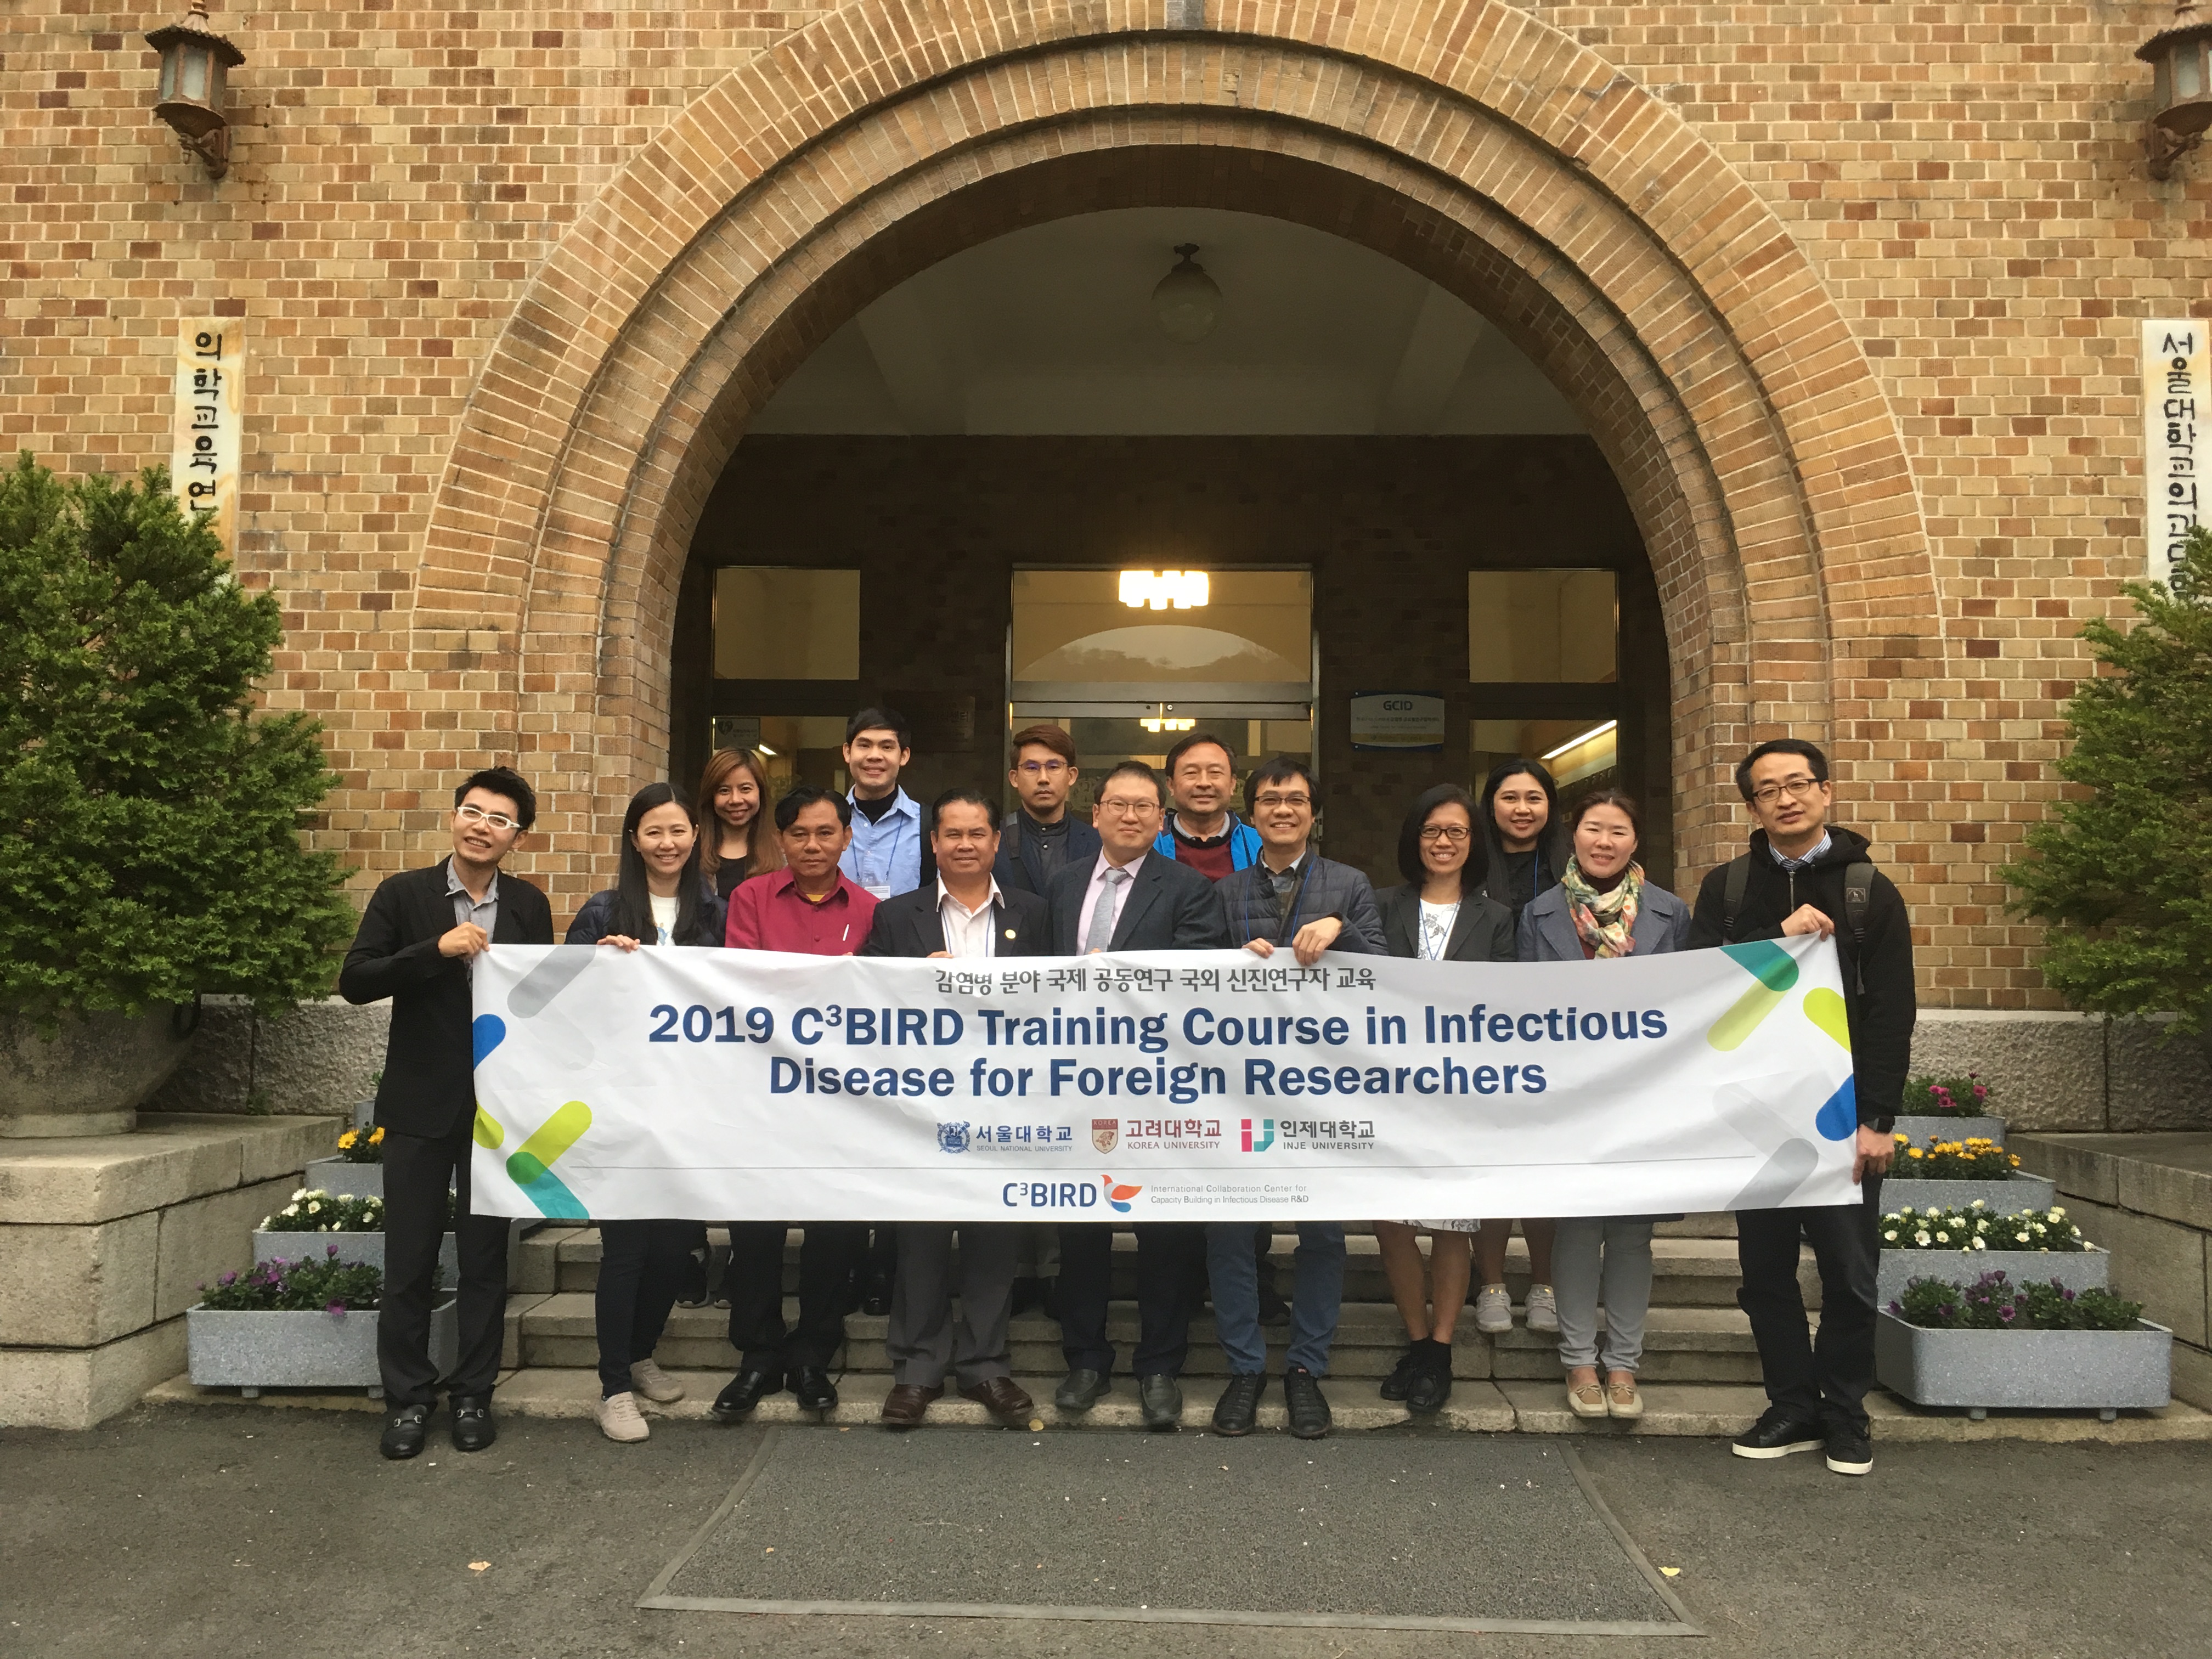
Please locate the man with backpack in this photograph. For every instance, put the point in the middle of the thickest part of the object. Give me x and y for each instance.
(1804, 875)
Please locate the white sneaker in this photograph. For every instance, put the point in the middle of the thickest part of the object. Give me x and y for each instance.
(1494, 1309)
(1543, 1308)
(619, 1419)
(647, 1377)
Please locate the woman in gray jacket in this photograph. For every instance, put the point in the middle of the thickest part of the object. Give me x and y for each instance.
(1601, 908)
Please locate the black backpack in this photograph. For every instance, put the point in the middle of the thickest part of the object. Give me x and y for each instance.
(1858, 893)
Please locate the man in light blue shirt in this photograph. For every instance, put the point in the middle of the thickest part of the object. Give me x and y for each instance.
(885, 856)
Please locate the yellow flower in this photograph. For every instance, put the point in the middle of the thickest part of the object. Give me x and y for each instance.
(376, 1137)
(1914, 1153)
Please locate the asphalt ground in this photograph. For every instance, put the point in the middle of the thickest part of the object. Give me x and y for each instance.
(223, 1530)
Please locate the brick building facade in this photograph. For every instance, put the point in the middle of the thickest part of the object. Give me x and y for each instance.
(1845, 297)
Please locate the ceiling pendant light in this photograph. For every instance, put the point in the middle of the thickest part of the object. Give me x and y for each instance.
(1187, 302)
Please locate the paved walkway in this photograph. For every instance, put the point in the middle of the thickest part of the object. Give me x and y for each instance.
(237, 1530)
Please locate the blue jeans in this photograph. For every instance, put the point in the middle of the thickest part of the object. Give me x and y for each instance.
(1317, 1295)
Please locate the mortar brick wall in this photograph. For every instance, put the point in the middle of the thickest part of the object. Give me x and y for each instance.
(1775, 205)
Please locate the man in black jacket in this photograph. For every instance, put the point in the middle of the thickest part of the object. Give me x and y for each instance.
(1160, 905)
(963, 913)
(418, 940)
(1041, 837)
(1803, 875)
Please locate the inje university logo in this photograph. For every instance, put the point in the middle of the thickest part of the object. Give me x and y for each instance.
(1263, 1139)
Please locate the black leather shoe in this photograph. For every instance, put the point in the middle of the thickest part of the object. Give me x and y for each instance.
(878, 1301)
(1309, 1418)
(403, 1428)
(816, 1392)
(473, 1428)
(1238, 1411)
(1401, 1374)
(1849, 1450)
(1159, 1396)
(1777, 1434)
(746, 1390)
(1081, 1389)
(1432, 1381)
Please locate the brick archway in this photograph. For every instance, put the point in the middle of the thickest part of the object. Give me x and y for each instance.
(1479, 146)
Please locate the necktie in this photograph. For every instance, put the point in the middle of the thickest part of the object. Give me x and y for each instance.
(1102, 914)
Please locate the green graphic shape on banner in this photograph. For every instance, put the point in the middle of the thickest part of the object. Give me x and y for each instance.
(1775, 969)
(529, 1166)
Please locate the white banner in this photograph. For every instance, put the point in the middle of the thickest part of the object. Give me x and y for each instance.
(2177, 397)
(741, 1085)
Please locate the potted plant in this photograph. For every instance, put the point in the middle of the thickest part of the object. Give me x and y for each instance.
(1949, 1174)
(358, 1169)
(1961, 1245)
(1995, 1344)
(1949, 1109)
(153, 851)
(306, 1324)
(355, 1226)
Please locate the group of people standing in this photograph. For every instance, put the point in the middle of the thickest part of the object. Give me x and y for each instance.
(1164, 863)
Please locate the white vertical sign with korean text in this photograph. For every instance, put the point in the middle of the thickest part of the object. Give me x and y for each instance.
(210, 422)
(2176, 401)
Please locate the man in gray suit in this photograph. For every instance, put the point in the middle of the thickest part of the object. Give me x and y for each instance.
(1130, 898)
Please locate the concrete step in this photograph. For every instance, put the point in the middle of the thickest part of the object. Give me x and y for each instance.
(1703, 1345)
(1688, 1270)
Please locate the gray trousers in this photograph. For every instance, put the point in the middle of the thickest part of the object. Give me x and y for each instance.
(1622, 1281)
(925, 1338)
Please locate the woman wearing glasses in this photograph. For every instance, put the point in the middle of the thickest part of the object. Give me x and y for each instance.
(1440, 915)
(734, 791)
(657, 899)
(1603, 909)
(1527, 849)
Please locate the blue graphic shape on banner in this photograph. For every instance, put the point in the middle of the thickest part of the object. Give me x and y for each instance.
(1838, 1116)
(488, 1032)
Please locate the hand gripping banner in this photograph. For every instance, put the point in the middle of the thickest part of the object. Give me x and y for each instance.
(740, 1085)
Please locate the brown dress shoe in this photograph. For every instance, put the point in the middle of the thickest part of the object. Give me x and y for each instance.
(905, 1404)
(999, 1396)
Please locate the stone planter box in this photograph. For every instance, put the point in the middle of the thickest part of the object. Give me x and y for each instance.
(2103, 1372)
(2008, 1197)
(250, 1351)
(2077, 1270)
(1925, 1129)
(335, 1174)
(92, 1074)
(352, 1247)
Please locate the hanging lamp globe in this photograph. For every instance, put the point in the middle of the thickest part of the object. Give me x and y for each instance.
(195, 64)
(1188, 302)
(2181, 88)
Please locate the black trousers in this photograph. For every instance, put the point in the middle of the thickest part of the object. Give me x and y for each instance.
(641, 1268)
(417, 1171)
(1170, 1289)
(753, 1283)
(1826, 1381)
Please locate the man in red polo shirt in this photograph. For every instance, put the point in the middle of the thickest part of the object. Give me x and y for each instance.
(808, 906)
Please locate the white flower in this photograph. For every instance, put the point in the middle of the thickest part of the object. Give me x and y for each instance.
(299, 1191)
(314, 1209)
(291, 1209)
(1943, 1238)
(1981, 1244)
(1976, 1205)
(1921, 1239)
(1891, 1236)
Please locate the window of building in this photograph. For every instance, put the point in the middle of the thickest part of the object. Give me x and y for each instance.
(773, 624)
(1543, 627)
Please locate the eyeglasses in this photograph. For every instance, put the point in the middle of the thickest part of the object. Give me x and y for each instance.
(1768, 793)
(1125, 808)
(1453, 834)
(1051, 769)
(476, 814)
(1283, 801)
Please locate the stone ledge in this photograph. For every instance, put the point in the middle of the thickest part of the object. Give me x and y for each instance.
(171, 1159)
(78, 1388)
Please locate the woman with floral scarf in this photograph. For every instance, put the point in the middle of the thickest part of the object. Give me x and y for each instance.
(1602, 909)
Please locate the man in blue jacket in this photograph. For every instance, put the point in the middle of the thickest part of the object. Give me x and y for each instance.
(1290, 898)
(1202, 832)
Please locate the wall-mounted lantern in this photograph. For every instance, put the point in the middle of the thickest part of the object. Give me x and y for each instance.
(2181, 91)
(195, 63)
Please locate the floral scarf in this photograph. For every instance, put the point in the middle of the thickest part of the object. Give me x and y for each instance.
(1606, 922)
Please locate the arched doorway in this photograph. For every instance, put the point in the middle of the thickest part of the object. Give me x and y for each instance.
(1479, 148)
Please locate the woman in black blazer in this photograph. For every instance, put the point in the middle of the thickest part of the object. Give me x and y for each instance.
(657, 899)
(1440, 915)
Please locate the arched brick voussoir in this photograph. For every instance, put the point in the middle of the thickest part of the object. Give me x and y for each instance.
(1629, 145)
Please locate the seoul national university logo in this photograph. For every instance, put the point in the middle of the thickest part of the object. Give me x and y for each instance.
(1105, 1134)
(953, 1137)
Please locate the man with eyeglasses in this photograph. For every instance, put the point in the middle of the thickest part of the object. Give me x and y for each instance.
(418, 942)
(1292, 899)
(1129, 898)
(1041, 837)
(1805, 875)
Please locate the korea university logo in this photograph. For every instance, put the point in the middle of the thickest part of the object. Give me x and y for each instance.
(1105, 1134)
(1264, 1139)
(953, 1137)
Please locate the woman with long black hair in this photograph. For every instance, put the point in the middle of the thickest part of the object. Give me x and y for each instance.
(657, 899)
(738, 840)
(1528, 849)
(1440, 915)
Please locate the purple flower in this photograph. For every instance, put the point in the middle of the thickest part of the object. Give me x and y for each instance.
(331, 1251)
(228, 1280)
(335, 1310)
(2006, 1314)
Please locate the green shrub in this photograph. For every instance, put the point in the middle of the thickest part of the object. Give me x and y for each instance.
(1978, 1227)
(326, 1284)
(1947, 1096)
(151, 845)
(311, 1210)
(1991, 1304)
